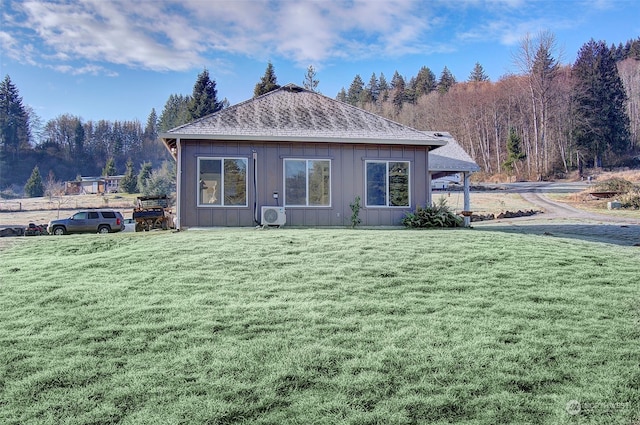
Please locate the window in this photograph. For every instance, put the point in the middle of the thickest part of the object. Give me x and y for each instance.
(387, 183)
(93, 215)
(222, 182)
(307, 182)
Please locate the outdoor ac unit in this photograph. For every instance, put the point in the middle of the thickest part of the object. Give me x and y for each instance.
(273, 216)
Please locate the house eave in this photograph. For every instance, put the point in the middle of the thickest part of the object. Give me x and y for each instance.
(169, 140)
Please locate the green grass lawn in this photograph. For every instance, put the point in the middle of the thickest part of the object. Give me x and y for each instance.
(319, 327)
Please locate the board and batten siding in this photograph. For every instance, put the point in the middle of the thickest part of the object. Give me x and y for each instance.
(347, 182)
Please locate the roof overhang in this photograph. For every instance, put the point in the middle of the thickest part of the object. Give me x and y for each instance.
(170, 140)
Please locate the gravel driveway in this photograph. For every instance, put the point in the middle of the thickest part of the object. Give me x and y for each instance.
(563, 220)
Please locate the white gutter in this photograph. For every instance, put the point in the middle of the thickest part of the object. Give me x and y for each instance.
(428, 141)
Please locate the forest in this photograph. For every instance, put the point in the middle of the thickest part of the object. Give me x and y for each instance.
(545, 121)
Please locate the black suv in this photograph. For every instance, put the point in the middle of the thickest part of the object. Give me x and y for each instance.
(90, 221)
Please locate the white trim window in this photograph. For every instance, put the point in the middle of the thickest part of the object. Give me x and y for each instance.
(387, 184)
(222, 182)
(307, 182)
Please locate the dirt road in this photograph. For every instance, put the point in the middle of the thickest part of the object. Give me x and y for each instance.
(563, 220)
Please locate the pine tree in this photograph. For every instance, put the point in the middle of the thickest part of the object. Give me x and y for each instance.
(342, 95)
(152, 147)
(129, 182)
(355, 91)
(144, 175)
(373, 88)
(383, 87)
(175, 112)
(310, 82)
(34, 187)
(204, 100)
(425, 81)
(268, 82)
(397, 90)
(78, 153)
(447, 80)
(514, 151)
(478, 75)
(109, 168)
(601, 121)
(14, 120)
(410, 91)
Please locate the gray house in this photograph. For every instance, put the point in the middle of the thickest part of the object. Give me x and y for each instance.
(298, 157)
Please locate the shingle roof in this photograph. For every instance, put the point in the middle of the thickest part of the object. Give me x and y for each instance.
(451, 158)
(292, 113)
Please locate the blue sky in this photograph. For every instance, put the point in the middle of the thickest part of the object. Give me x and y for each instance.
(116, 60)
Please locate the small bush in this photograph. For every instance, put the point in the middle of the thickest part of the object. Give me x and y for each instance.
(437, 215)
(631, 200)
(355, 212)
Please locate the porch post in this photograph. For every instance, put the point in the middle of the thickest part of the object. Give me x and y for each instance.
(467, 199)
(178, 223)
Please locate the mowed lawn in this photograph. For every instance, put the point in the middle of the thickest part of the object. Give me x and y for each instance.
(306, 326)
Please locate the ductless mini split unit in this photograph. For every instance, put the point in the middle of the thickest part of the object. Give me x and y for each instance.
(273, 216)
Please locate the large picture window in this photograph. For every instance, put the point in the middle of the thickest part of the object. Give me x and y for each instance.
(387, 183)
(222, 182)
(307, 182)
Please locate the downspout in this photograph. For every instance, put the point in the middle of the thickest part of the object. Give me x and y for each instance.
(178, 185)
(467, 199)
(255, 187)
(429, 176)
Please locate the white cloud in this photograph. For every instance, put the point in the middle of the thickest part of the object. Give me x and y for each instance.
(175, 35)
(87, 35)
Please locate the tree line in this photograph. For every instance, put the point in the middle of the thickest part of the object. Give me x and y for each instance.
(67, 147)
(546, 120)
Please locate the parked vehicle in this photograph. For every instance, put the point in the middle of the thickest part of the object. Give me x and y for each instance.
(129, 225)
(89, 221)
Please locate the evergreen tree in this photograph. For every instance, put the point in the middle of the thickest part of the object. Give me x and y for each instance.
(383, 88)
(310, 82)
(425, 82)
(78, 144)
(397, 90)
(447, 80)
(410, 91)
(161, 181)
(14, 120)
(268, 82)
(204, 100)
(129, 182)
(601, 121)
(151, 129)
(355, 91)
(152, 146)
(633, 51)
(144, 175)
(109, 168)
(342, 95)
(175, 112)
(34, 187)
(514, 151)
(478, 75)
(373, 89)
(397, 81)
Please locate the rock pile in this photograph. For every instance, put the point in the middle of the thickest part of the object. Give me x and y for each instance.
(506, 214)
